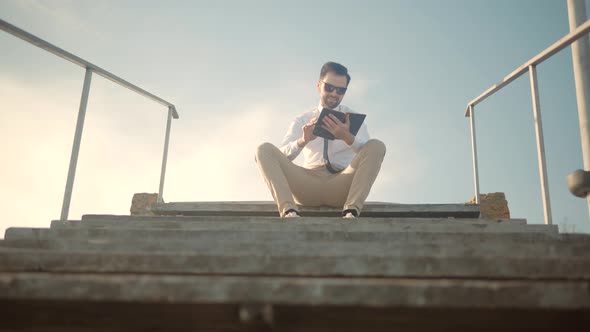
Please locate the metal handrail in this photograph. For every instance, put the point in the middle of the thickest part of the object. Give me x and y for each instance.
(559, 45)
(91, 68)
(529, 66)
(17, 32)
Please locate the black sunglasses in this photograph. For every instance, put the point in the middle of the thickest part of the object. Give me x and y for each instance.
(329, 88)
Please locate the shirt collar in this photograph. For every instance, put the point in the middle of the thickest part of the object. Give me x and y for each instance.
(320, 107)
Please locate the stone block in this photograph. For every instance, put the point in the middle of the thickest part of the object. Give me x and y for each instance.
(493, 206)
(142, 203)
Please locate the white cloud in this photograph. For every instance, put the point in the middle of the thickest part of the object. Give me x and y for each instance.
(219, 161)
(61, 13)
(359, 89)
(35, 152)
(402, 167)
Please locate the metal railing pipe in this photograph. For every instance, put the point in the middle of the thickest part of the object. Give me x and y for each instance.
(540, 146)
(576, 34)
(581, 65)
(17, 32)
(165, 157)
(90, 68)
(474, 154)
(544, 55)
(76, 146)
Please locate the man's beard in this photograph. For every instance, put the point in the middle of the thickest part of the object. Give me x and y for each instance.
(331, 104)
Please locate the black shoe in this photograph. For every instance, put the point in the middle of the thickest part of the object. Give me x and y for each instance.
(349, 213)
(291, 213)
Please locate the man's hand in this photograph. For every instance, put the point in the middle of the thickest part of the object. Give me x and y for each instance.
(338, 129)
(307, 133)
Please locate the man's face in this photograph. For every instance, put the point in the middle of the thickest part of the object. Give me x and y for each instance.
(335, 83)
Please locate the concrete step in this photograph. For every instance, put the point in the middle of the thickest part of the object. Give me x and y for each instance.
(160, 315)
(368, 292)
(562, 268)
(253, 224)
(268, 208)
(534, 234)
(255, 221)
(302, 243)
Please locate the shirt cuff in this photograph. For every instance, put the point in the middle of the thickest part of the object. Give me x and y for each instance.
(295, 146)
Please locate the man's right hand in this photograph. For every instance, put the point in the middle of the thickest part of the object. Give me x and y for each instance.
(307, 133)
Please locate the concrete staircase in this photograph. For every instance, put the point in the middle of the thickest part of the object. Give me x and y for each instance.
(232, 266)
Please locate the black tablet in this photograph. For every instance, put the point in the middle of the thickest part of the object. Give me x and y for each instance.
(356, 120)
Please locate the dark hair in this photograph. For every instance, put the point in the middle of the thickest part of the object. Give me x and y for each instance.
(335, 68)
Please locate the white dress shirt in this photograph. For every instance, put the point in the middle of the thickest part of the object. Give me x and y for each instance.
(339, 153)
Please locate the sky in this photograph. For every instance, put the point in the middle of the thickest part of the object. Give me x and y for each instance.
(239, 72)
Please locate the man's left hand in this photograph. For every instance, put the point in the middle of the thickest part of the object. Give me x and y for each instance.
(339, 129)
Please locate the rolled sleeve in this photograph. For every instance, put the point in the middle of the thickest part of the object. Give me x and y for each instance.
(289, 146)
(291, 149)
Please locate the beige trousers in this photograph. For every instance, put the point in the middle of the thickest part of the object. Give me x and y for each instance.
(291, 184)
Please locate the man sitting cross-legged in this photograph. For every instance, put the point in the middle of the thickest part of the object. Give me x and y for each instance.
(339, 174)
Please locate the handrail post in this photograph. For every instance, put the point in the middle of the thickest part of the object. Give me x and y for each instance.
(65, 209)
(474, 154)
(581, 63)
(540, 145)
(165, 157)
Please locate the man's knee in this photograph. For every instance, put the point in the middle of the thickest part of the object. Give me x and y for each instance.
(376, 146)
(264, 149)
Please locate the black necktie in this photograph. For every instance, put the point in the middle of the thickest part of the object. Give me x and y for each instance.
(327, 161)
